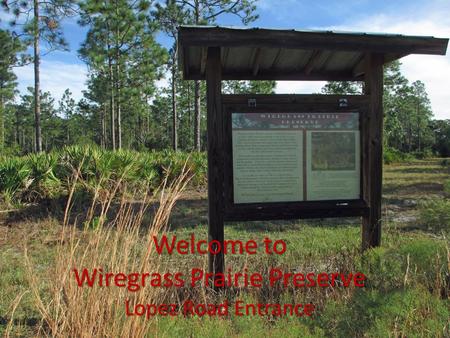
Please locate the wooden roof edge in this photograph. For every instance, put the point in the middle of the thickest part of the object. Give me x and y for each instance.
(209, 36)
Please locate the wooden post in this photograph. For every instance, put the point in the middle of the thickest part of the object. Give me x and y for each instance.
(373, 146)
(215, 120)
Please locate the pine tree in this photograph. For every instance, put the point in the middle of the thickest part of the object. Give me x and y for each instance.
(120, 49)
(67, 110)
(407, 109)
(204, 12)
(40, 21)
(8, 56)
(171, 15)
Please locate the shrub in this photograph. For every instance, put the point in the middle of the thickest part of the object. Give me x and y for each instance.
(37, 177)
(423, 154)
(435, 214)
(44, 184)
(391, 155)
(14, 178)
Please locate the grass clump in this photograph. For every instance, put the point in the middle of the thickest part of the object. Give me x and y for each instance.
(435, 214)
(119, 245)
(411, 312)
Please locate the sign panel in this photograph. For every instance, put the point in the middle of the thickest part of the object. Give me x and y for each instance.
(289, 157)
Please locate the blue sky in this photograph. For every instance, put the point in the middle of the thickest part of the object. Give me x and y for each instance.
(61, 70)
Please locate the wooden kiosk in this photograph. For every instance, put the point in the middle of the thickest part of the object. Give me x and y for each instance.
(215, 54)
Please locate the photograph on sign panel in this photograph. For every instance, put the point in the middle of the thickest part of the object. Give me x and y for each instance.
(333, 165)
(333, 151)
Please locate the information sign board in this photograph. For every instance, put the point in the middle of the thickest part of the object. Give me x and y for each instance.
(295, 156)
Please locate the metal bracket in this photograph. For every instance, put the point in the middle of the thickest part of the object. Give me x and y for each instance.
(343, 103)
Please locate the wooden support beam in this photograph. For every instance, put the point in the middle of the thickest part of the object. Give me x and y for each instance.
(312, 62)
(323, 65)
(185, 55)
(226, 51)
(203, 61)
(256, 61)
(373, 151)
(354, 102)
(275, 59)
(360, 66)
(283, 75)
(215, 120)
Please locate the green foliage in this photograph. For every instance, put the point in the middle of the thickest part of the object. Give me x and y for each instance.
(8, 59)
(408, 125)
(399, 313)
(45, 184)
(15, 176)
(124, 62)
(441, 129)
(401, 297)
(392, 155)
(249, 87)
(407, 112)
(447, 187)
(421, 261)
(95, 223)
(342, 88)
(421, 155)
(435, 214)
(20, 120)
(48, 175)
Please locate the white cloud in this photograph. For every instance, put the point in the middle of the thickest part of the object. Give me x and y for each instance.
(433, 70)
(56, 77)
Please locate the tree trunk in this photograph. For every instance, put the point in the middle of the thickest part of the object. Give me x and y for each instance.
(111, 105)
(17, 128)
(174, 109)
(410, 137)
(119, 117)
(117, 83)
(37, 98)
(418, 126)
(140, 132)
(2, 123)
(102, 126)
(68, 120)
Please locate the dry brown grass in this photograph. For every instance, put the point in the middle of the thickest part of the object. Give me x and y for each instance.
(120, 245)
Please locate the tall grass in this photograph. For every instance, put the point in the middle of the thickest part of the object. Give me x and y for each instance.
(121, 244)
(435, 214)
